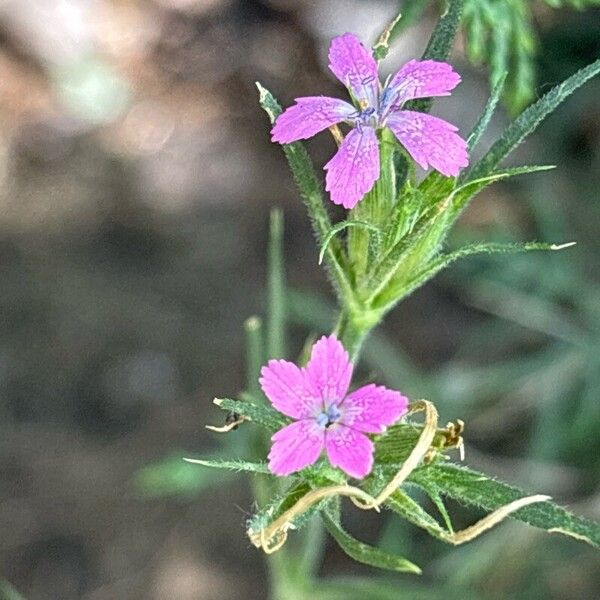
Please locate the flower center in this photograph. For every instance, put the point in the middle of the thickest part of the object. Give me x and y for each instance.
(327, 418)
(365, 117)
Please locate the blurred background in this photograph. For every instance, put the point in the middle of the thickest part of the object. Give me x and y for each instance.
(136, 178)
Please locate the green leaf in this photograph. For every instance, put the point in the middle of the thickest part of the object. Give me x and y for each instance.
(364, 553)
(494, 248)
(231, 465)
(476, 489)
(344, 225)
(399, 269)
(276, 288)
(405, 214)
(411, 251)
(310, 190)
(442, 39)
(437, 499)
(529, 120)
(403, 505)
(523, 170)
(440, 45)
(488, 112)
(394, 446)
(393, 294)
(262, 415)
(464, 193)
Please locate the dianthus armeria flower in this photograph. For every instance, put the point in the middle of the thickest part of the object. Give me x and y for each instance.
(355, 168)
(327, 416)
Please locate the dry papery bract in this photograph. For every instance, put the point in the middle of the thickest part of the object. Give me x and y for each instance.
(273, 537)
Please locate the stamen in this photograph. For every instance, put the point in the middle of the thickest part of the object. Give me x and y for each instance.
(322, 419)
(328, 417)
(333, 412)
(385, 96)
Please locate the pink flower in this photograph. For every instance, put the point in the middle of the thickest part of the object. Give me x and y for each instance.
(327, 417)
(352, 172)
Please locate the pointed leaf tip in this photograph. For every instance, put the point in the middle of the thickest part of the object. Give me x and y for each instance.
(562, 246)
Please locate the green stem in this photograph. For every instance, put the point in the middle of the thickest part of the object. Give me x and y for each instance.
(311, 550)
(276, 288)
(254, 355)
(351, 334)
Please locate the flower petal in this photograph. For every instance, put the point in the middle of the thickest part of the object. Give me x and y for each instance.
(355, 67)
(349, 450)
(354, 169)
(423, 79)
(309, 116)
(370, 408)
(329, 370)
(289, 389)
(430, 141)
(296, 446)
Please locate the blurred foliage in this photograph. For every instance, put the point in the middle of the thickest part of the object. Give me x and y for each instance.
(8, 592)
(172, 476)
(501, 35)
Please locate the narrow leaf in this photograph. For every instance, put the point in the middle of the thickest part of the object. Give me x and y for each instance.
(405, 213)
(392, 295)
(488, 112)
(411, 251)
(364, 553)
(440, 45)
(403, 505)
(310, 190)
(231, 465)
(437, 499)
(464, 193)
(529, 120)
(442, 39)
(396, 444)
(470, 487)
(344, 225)
(260, 414)
(524, 170)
